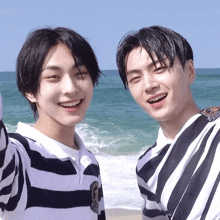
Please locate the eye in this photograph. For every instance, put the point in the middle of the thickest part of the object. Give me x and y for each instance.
(53, 78)
(51, 74)
(160, 69)
(134, 79)
(79, 75)
(82, 74)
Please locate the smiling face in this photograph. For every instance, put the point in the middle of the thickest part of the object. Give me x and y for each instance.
(65, 90)
(164, 93)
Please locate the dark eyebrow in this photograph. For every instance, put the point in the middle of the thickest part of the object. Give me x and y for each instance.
(149, 66)
(78, 64)
(161, 62)
(51, 67)
(57, 68)
(132, 72)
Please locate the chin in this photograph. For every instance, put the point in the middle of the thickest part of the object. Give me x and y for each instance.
(161, 116)
(72, 123)
(78, 120)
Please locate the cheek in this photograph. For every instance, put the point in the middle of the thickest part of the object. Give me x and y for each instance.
(88, 89)
(47, 89)
(180, 90)
(136, 93)
(90, 95)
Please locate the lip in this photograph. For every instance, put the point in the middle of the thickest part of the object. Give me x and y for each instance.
(71, 106)
(157, 104)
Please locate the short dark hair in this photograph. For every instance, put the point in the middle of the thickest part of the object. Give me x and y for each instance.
(158, 42)
(35, 49)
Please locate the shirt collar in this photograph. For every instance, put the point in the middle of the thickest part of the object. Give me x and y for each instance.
(52, 146)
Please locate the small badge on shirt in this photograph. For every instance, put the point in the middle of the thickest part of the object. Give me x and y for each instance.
(95, 196)
(211, 113)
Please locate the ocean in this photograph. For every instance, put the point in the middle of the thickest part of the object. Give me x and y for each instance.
(115, 128)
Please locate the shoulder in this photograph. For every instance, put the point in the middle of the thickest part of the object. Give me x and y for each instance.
(147, 151)
(145, 157)
(16, 137)
(24, 145)
(211, 113)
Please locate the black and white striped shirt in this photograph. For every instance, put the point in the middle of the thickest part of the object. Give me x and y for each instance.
(179, 179)
(43, 179)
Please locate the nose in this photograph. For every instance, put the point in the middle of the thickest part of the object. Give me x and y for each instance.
(69, 85)
(150, 83)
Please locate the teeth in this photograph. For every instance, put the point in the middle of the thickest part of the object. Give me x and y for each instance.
(157, 98)
(70, 104)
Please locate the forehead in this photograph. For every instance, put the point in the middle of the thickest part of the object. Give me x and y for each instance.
(60, 57)
(139, 57)
(57, 54)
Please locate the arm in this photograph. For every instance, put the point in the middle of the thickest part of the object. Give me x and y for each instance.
(9, 171)
(101, 212)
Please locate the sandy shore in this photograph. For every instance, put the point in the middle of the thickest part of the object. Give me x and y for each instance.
(123, 214)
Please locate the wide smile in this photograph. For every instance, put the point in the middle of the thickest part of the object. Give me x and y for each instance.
(157, 98)
(71, 104)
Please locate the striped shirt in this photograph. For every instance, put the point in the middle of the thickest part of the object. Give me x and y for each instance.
(179, 179)
(41, 178)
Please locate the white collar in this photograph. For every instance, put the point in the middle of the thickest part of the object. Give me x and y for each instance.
(52, 146)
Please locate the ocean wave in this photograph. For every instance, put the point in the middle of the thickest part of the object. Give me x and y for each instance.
(119, 181)
(10, 128)
(119, 142)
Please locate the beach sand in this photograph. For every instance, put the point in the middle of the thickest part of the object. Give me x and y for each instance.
(123, 214)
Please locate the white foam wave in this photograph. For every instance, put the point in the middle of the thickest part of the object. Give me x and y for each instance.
(11, 128)
(114, 142)
(118, 171)
(119, 181)
(91, 137)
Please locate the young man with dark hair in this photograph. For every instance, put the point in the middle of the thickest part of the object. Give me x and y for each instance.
(45, 170)
(179, 175)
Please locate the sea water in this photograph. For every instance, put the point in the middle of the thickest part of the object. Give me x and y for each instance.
(115, 128)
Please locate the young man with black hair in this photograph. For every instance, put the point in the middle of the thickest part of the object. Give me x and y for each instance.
(179, 175)
(45, 170)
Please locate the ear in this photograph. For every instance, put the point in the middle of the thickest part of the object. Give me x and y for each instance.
(31, 97)
(190, 70)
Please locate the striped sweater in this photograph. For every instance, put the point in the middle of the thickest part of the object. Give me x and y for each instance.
(179, 179)
(43, 179)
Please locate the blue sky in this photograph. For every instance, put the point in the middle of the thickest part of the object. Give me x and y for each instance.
(103, 24)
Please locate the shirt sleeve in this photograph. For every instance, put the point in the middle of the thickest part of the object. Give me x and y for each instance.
(10, 173)
(101, 212)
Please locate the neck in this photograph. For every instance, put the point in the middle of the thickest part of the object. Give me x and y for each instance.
(172, 127)
(60, 133)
